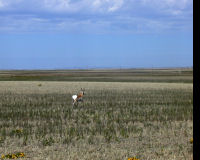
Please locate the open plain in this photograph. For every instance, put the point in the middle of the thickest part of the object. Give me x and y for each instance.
(147, 114)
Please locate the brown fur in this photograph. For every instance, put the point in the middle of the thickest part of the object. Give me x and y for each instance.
(79, 96)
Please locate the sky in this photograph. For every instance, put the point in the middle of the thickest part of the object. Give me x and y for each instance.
(84, 34)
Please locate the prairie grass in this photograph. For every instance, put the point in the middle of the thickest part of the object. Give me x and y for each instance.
(115, 121)
(177, 75)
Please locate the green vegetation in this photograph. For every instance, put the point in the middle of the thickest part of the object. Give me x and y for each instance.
(151, 118)
(115, 121)
(184, 75)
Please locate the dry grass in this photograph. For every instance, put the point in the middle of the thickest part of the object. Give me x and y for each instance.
(176, 75)
(115, 121)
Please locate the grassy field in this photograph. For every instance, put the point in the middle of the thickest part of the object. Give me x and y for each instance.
(184, 75)
(117, 120)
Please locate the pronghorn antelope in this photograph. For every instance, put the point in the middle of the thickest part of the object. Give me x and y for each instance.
(79, 97)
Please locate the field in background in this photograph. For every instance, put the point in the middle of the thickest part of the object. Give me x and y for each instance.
(184, 75)
(117, 120)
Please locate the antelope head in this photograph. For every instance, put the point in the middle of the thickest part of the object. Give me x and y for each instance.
(82, 91)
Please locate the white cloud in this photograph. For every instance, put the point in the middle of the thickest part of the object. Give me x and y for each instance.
(7, 4)
(95, 16)
(64, 5)
(58, 5)
(1, 3)
(166, 4)
(116, 5)
(97, 3)
(92, 5)
(107, 5)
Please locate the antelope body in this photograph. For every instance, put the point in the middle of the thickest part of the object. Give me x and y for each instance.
(79, 97)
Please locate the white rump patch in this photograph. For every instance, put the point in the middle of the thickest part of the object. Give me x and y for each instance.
(74, 97)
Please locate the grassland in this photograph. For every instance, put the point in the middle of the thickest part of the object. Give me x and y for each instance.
(184, 75)
(117, 120)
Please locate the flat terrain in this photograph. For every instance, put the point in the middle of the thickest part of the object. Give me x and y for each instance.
(144, 118)
(184, 75)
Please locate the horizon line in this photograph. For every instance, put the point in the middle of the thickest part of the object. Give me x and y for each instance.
(99, 68)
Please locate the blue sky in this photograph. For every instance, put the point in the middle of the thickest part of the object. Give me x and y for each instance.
(61, 34)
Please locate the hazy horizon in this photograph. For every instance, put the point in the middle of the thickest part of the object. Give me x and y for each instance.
(99, 68)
